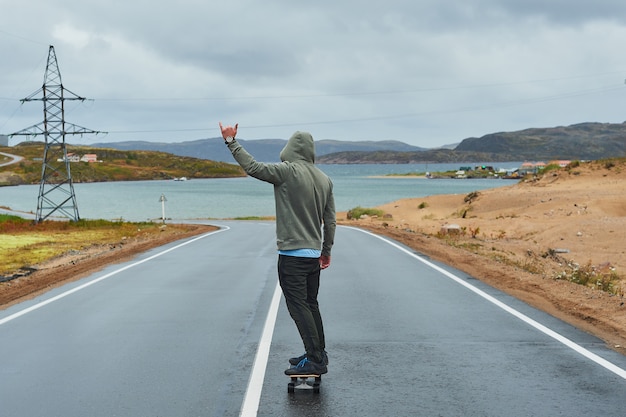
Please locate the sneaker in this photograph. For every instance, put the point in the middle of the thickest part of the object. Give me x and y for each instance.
(295, 361)
(306, 367)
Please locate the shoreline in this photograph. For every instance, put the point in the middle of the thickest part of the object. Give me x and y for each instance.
(423, 177)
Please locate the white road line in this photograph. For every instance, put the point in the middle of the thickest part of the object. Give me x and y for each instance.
(549, 332)
(102, 278)
(252, 397)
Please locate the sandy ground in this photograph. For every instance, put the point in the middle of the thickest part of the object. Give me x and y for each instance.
(517, 238)
(520, 237)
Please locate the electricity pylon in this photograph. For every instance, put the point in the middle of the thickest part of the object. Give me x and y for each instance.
(56, 189)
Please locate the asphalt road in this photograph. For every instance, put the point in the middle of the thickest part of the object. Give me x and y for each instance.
(14, 159)
(197, 328)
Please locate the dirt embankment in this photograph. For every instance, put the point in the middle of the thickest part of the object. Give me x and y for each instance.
(569, 224)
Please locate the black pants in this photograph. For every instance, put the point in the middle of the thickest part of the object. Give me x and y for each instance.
(300, 281)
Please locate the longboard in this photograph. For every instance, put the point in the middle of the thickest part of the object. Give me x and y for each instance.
(304, 382)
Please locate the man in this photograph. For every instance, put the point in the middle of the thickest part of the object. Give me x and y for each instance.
(305, 232)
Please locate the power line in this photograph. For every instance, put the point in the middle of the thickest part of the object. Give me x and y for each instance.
(22, 38)
(391, 117)
(354, 93)
(363, 93)
(374, 118)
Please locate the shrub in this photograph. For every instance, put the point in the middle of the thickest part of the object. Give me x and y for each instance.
(471, 197)
(551, 167)
(604, 279)
(357, 212)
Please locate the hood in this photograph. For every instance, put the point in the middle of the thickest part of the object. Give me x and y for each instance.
(300, 147)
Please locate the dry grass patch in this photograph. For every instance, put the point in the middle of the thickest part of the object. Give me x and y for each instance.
(24, 244)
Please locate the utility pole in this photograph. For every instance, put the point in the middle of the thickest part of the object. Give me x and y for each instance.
(56, 189)
(163, 200)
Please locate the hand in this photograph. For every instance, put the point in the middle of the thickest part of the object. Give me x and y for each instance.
(229, 131)
(324, 261)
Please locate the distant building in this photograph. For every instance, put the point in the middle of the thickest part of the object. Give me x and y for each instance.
(531, 168)
(4, 140)
(483, 168)
(71, 157)
(89, 157)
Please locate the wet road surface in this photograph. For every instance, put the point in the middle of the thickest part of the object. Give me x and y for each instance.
(14, 159)
(176, 331)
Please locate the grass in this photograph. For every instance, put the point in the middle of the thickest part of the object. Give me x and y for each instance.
(116, 165)
(357, 212)
(588, 275)
(24, 244)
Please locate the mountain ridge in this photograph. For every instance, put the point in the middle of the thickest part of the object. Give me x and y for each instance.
(582, 141)
(264, 150)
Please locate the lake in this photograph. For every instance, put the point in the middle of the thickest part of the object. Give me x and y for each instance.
(354, 185)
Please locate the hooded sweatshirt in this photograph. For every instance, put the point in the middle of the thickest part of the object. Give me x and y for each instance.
(303, 194)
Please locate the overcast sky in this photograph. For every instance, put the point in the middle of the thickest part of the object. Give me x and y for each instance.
(425, 72)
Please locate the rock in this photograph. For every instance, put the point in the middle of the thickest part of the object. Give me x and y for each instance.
(451, 229)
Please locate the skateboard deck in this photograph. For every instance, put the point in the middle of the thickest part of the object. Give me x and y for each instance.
(304, 382)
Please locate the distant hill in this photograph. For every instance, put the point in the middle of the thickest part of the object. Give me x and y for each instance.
(264, 150)
(437, 156)
(114, 165)
(584, 141)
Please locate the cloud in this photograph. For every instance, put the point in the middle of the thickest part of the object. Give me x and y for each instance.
(424, 72)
